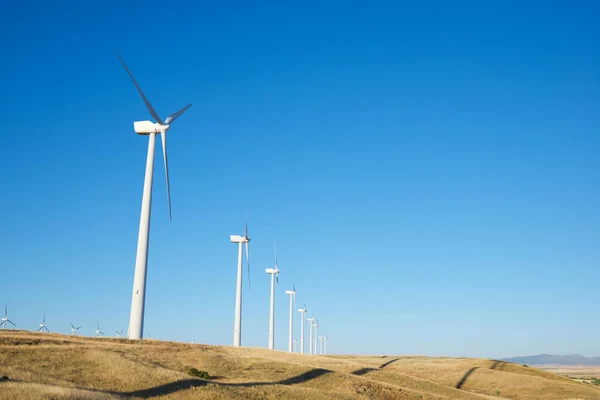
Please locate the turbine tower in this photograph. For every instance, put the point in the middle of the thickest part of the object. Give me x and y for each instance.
(98, 331)
(43, 324)
(292, 294)
(310, 341)
(274, 272)
(302, 328)
(321, 344)
(5, 318)
(325, 345)
(136, 319)
(237, 325)
(316, 324)
(73, 329)
(295, 345)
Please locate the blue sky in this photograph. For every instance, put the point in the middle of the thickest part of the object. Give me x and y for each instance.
(430, 172)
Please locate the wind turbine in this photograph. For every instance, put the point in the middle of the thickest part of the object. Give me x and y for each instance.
(325, 345)
(98, 331)
(321, 344)
(302, 328)
(292, 294)
(310, 341)
(136, 319)
(43, 324)
(5, 318)
(295, 345)
(316, 324)
(73, 329)
(119, 333)
(274, 272)
(237, 325)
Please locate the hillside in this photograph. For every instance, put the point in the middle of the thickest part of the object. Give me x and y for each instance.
(66, 367)
(549, 359)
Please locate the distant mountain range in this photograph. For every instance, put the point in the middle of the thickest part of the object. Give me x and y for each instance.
(545, 359)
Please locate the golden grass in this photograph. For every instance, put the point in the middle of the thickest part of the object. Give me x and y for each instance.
(52, 366)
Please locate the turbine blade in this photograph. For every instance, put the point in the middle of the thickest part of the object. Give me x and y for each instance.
(5, 310)
(72, 326)
(171, 118)
(163, 135)
(148, 105)
(41, 327)
(46, 328)
(248, 264)
(12, 323)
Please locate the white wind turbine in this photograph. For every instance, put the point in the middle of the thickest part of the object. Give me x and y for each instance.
(321, 338)
(292, 294)
(237, 325)
(302, 328)
(295, 345)
(43, 325)
(5, 318)
(73, 329)
(119, 333)
(274, 272)
(310, 341)
(98, 331)
(316, 324)
(325, 345)
(136, 320)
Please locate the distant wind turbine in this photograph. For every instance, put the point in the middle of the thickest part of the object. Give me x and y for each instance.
(119, 333)
(316, 324)
(325, 345)
(292, 294)
(310, 341)
(136, 320)
(295, 345)
(237, 325)
(5, 318)
(98, 331)
(43, 324)
(302, 328)
(274, 272)
(73, 329)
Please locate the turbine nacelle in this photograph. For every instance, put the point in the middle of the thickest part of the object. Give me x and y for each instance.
(238, 239)
(148, 127)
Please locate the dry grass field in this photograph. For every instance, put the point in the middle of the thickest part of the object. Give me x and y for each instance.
(53, 366)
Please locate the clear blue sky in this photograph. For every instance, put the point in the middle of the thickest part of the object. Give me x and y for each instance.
(430, 172)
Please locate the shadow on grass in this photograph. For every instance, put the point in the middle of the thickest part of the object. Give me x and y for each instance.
(185, 384)
(464, 378)
(498, 365)
(364, 371)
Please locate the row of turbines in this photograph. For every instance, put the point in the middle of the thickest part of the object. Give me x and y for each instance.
(4, 321)
(321, 348)
(274, 272)
(136, 320)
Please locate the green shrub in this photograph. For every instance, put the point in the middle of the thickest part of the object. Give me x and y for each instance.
(199, 374)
